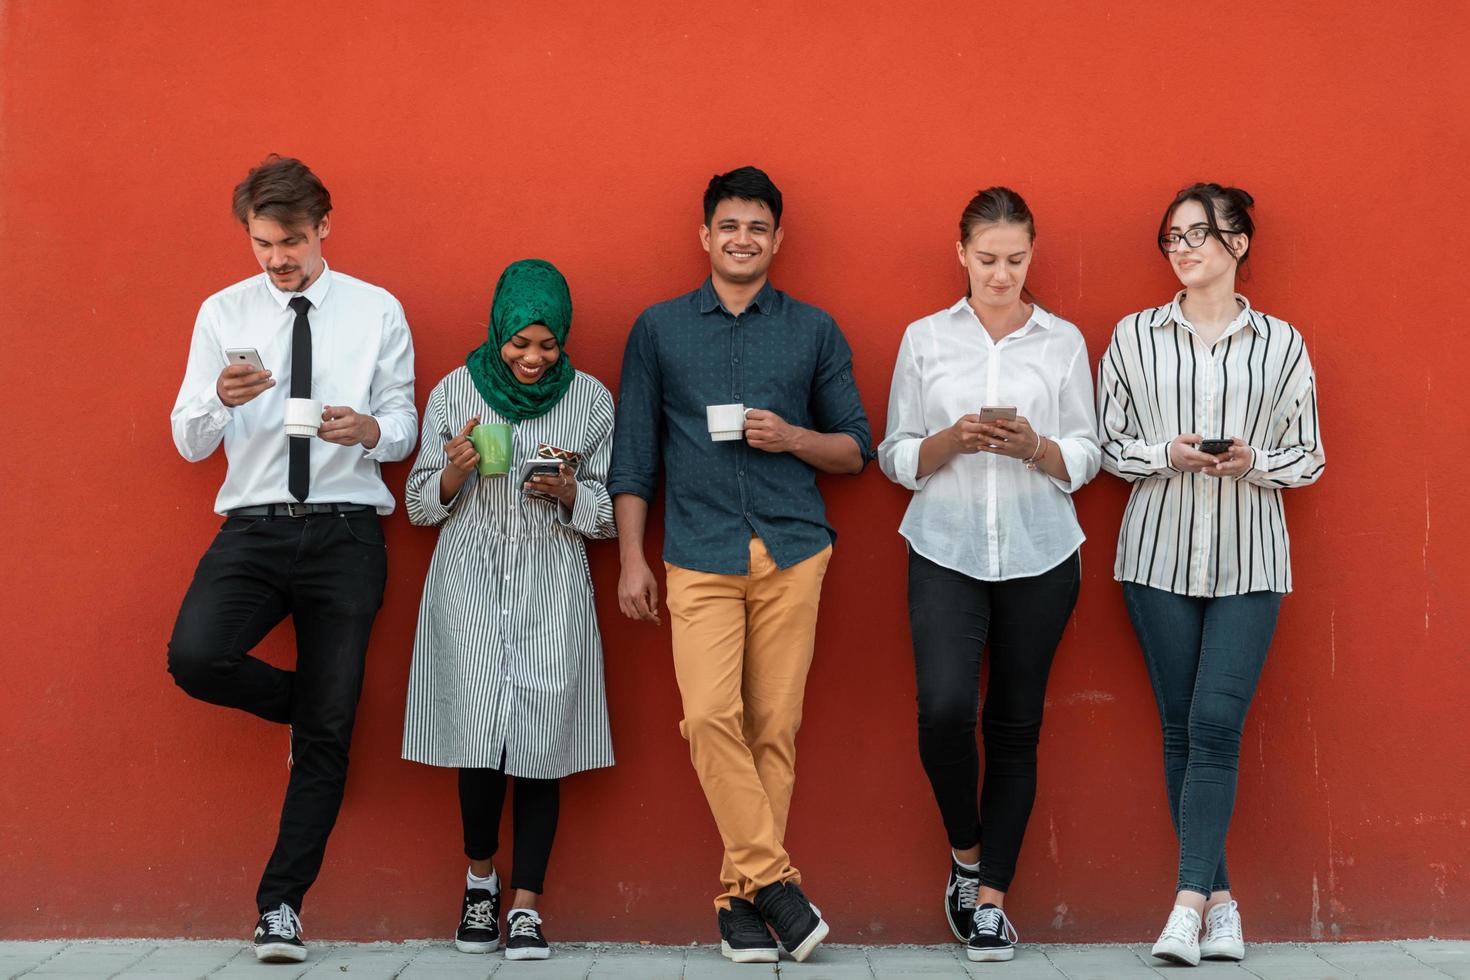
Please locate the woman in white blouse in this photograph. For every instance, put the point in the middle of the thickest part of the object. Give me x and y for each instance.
(993, 543)
(1210, 409)
(507, 676)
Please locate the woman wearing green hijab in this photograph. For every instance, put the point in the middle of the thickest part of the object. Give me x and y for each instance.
(507, 674)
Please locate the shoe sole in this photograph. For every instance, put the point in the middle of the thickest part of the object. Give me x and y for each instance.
(280, 953)
(990, 955)
(801, 952)
(759, 955)
(1172, 957)
(527, 953)
(464, 946)
(1233, 955)
(952, 927)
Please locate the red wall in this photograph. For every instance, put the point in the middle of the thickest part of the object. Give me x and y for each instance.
(584, 133)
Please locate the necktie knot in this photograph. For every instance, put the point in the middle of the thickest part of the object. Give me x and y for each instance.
(300, 304)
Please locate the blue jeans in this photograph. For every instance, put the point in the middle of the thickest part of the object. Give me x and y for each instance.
(1204, 658)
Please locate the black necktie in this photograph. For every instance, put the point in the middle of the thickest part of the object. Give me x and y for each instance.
(298, 478)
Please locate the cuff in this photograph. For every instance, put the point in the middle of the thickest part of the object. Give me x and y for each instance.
(433, 512)
(906, 465)
(1076, 460)
(583, 513)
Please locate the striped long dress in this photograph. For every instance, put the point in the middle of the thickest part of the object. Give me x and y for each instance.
(507, 658)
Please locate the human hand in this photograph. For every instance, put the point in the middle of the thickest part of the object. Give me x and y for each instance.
(965, 436)
(562, 484)
(1184, 454)
(1010, 437)
(239, 383)
(770, 433)
(345, 427)
(638, 592)
(460, 452)
(1234, 461)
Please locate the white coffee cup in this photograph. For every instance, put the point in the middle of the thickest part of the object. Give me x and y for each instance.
(726, 422)
(303, 417)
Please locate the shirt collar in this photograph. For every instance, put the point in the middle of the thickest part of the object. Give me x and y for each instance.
(1039, 319)
(709, 300)
(316, 292)
(1174, 313)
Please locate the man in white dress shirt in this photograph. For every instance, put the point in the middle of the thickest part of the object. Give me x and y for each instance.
(301, 535)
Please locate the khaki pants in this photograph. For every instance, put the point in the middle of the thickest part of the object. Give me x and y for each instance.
(742, 648)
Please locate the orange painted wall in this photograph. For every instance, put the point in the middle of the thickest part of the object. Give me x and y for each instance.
(458, 137)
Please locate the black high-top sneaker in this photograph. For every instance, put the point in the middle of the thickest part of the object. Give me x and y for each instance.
(744, 937)
(796, 921)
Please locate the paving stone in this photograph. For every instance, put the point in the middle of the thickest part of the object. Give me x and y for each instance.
(1101, 962)
(94, 958)
(1287, 961)
(434, 961)
(185, 959)
(830, 961)
(638, 963)
(18, 957)
(366, 961)
(1375, 960)
(904, 961)
(1030, 963)
(1449, 958)
(706, 963)
(567, 962)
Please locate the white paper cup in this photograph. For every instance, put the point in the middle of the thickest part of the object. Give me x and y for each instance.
(303, 417)
(726, 422)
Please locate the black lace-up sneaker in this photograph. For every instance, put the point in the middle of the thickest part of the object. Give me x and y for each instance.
(959, 899)
(992, 937)
(523, 937)
(744, 937)
(796, 921)
(278, 936)
(479, 922)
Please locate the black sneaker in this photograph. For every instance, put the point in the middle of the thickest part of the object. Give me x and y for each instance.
(479, 922)
(992, 937)
(959, 899)
(744, 937)
(796, 921)
(278, 936)
(523, 938)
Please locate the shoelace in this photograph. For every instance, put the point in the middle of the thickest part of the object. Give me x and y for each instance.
(283, 922)
(478, 915)
(1223, 922)
(746, 923)
(524, 925)
(1183, 926)
(968, 891)
(994, 921)
(788, 912)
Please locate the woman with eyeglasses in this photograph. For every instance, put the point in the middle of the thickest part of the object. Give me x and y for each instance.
(991, 425)
(1209, 408)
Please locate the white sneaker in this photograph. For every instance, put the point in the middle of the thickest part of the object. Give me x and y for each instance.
(1179, 942)
(1223, 939)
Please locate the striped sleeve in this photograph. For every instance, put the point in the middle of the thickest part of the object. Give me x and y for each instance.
(421, 494)
(1126, 452)
(1293, 457)
(592, 510)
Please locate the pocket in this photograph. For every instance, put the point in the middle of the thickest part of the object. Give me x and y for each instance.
(239, 525)
(365, 528)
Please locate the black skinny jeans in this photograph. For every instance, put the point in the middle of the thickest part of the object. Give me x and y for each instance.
(327, 572)
(953, 618)
(536, 806)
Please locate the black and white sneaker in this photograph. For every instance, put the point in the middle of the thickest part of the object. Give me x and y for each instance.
(959, 899)
(796, 921)
(523, 938)
(479, 922)
(744, 937)
(278, 936)
(992, 937)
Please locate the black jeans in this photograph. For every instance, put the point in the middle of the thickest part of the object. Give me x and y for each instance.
(537, 806)
(1204, 658)
(952, 618)
(327, 572)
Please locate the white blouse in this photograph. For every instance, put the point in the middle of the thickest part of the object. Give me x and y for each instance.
(981, 514)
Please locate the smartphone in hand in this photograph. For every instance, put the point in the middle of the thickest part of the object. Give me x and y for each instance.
(992, 413)
(248, 356)
(1215, 447)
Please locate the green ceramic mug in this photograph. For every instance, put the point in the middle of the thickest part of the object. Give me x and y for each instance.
(492, 442)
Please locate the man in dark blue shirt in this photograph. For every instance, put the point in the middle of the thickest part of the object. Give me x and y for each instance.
(746, 534)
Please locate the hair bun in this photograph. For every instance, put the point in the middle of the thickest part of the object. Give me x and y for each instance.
(1242, 196)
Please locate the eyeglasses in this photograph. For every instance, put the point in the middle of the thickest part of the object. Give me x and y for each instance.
(1194, 238)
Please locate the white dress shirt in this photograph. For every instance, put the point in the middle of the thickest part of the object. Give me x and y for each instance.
(361, 358)
(1190, 533)
(981, 514)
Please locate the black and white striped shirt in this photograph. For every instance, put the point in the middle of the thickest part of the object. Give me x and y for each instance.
(1186, 532)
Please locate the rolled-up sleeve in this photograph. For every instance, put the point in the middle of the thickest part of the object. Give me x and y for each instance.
(898, 454)
(1125, 453)
(199, 418)
(392, 391)
(1295, 457)
(835, 404)
(1077, 424)
(421, 493)
(591, 513)
(635, 453)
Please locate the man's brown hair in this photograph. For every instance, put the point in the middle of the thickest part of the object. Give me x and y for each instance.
(283, 190)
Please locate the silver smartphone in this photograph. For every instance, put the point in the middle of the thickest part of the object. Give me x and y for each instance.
(533, 466)
(991, 413)
(248, 356)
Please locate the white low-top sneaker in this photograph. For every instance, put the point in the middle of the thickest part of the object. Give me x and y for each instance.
(1179, 942)
(1223, 939)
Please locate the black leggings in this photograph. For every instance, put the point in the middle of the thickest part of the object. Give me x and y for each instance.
(537, 805)
(952, 616)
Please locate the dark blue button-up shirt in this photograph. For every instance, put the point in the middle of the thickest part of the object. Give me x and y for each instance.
(687, 353)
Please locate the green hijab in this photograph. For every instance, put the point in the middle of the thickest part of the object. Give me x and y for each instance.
(529, 291)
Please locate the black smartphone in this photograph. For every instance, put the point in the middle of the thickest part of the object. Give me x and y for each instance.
(1215, 447)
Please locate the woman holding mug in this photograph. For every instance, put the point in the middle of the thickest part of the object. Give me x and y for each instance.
(1203, 553)
(991, 425)
(507, 677)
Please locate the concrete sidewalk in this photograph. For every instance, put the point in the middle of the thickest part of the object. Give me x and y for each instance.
(1408, 960)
